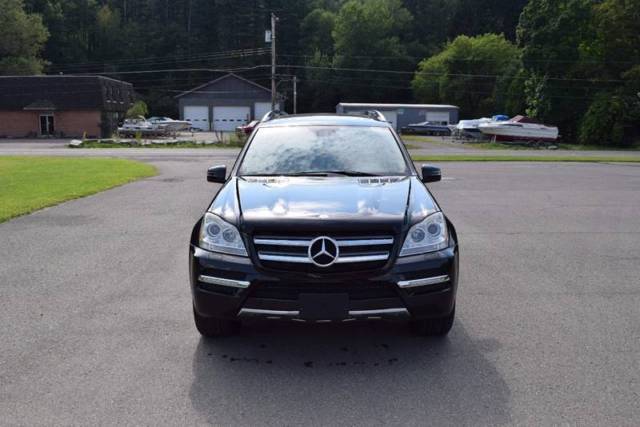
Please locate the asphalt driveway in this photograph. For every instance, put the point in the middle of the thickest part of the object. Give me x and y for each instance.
(96, 322)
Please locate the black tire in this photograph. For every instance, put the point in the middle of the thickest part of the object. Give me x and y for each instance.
(438, 327)
(212, 327)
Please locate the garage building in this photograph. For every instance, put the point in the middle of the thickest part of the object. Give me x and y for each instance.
(225, 103)
(62, 106)
(400, 115)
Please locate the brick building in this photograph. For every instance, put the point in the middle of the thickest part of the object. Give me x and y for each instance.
(62, 106)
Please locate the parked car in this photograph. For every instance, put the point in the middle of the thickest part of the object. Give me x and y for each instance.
(323, 218)
(426, 128)
(244, 130)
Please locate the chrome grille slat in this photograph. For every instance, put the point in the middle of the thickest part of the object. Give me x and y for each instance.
(281, 242)
(350, 242)
(365, 242)
(306, 260)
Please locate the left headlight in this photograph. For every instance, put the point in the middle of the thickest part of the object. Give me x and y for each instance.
(429, 235)
(217, 235)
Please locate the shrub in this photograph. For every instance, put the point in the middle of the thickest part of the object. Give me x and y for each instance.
(603, 124)
(139, 108)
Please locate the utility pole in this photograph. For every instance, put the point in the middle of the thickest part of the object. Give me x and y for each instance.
(274, 19)
(295, 95)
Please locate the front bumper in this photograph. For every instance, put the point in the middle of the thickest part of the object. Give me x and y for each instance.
(416, 287)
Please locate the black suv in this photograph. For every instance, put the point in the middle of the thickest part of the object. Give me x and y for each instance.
(323, 218)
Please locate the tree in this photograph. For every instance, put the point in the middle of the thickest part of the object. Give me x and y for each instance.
(477, 74)
(613, 118)
(316, 30)
(371, 35)
(22, 37)
(475, 17)
(139, 108)
(553, 35)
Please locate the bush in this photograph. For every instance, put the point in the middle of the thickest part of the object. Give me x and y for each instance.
(603, 124)
(139, 108)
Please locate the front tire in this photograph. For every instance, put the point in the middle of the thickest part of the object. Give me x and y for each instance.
(212, 327)
(438, 327)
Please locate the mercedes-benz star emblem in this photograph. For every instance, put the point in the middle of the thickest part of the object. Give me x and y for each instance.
(323, 251)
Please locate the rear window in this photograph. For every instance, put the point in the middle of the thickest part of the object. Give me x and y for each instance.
(301, 149)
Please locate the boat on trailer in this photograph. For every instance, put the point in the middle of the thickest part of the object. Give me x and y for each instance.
(519, 129)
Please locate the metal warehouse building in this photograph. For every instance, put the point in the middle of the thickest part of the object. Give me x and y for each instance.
(400, 115)
(224, 103)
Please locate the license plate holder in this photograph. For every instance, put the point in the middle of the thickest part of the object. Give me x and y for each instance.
(324, 306)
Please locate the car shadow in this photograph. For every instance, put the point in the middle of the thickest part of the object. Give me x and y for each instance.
(355, 373)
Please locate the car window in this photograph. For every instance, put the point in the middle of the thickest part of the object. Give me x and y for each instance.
(300, 149)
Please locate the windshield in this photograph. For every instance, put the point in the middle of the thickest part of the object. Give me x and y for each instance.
(294, 150)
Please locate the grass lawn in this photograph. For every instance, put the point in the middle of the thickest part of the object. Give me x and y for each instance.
(170, 144)
(526, 158)
(31, 183)
(434, 140)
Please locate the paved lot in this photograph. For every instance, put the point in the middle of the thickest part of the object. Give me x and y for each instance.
(96, 320)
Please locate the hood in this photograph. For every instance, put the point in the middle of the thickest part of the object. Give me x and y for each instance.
(323, 203)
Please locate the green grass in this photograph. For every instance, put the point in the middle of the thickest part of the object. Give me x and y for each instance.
(526, 158)
(176, 144)
(436, 140)
(31, 183)
(561, 146)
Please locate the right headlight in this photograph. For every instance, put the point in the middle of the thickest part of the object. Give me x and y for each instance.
(429, 235)
(217, 235)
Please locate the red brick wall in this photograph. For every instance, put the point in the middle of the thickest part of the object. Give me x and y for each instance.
(19, 124)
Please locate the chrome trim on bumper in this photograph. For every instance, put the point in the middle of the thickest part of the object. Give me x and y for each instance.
(256, 312)
(306, 260)
(224, 282)
(384, 312)
(423, 282)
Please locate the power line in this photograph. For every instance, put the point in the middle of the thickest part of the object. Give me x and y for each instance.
(229, 53)
(174, 70)
(369, 70)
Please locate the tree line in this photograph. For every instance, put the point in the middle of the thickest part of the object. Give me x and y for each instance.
(572, 63)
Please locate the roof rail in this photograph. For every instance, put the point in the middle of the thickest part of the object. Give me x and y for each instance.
(375, 115)
(273, 114)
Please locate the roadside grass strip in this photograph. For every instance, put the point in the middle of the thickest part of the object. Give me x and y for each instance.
(525, 158)
(31, 183)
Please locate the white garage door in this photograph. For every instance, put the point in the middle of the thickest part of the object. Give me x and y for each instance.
(262, 108)
(226, 119)
(198, 116)
(438, 117)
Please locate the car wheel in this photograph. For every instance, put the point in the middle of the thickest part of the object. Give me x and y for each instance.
(212, 327)
(438, 327)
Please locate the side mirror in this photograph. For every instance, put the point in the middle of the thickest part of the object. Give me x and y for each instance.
(217, 174)
(431, 174)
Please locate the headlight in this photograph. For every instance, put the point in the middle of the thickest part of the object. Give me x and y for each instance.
(217, 235)
(430, 235)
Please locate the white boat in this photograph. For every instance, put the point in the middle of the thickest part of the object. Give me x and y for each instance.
(469, 128)
(170, 124)
(141, 126)
(519, 128)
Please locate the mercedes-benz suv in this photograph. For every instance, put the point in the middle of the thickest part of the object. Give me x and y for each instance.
(323, 218)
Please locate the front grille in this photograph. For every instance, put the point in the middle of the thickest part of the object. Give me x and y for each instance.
(291, 290)
(355, 253)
